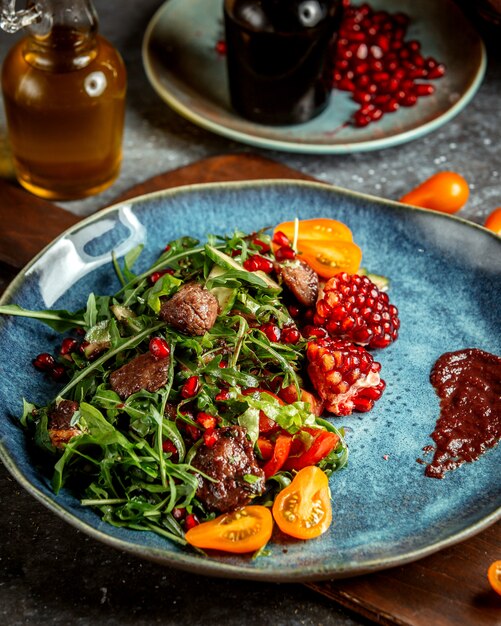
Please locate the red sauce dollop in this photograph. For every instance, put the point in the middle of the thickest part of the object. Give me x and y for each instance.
(468, 383)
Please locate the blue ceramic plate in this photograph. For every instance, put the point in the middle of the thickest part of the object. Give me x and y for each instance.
(186, 71)
(445, 279)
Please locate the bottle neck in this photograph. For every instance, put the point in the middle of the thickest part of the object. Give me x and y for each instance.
(64, 38)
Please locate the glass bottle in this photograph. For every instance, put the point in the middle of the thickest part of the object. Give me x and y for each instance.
(279, 55)
(64, 96)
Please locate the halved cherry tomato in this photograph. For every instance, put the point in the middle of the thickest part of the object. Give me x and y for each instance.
(289, 395)
(494, 576)
(280, 454)
(245, 530)
(321, 228)
(303, 509)
(330, 258)
(493, 221)
(322, 443)
(446, 192)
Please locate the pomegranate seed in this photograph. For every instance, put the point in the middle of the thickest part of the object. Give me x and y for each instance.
(251, 264)
(159, 348)
(168, 446)
(424, 89)
(222, 396)
(437, 71)
(44, 362)
(376, 52)
(294, 310)
(409, 100)
(210, 437)
(281, 239)
(285, 253)
(191, 521)
(58, 372)
(315, 331)
(157, 275)
(69, 345)
(221, 47)
(346, 85)
(190, 387)
(380, 77)
(167, 248)
(363, 51)
(265, 265)
(290, 335)
(391, 106)
(206, 420)
(178, 513)
(361, 68)
(362, 97)
(272, 331)
(413, 46)
(223, 364)
(264, 247)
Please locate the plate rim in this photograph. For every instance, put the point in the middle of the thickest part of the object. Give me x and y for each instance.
(295, 147)
(192, 562)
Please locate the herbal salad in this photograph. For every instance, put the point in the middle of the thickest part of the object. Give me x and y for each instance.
(190, 402)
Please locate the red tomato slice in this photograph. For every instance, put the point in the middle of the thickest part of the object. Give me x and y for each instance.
(280, 454)
(323, 443)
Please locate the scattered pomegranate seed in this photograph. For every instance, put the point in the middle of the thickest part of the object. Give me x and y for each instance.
(157, 275)
(294, 310)
(191, 521)
(262, 245)
(223, 364)
(314, 331)
(211, 435)
(281, 239)
(290, 335)
(44, 362)
(190, 387)
(373, 59)
(272, 331)
(178, 513)
(222, 396)
(159, 348)
(168, 446)
(256, 262)
(221, 47)
(206, 420)
(58, 372)
(285, 253)
(69, 345)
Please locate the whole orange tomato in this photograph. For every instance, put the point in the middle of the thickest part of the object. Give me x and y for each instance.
(446, 192)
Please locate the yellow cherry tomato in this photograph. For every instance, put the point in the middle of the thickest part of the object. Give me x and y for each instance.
(245, 530)
(493, 221)
(494, 576)
(446, 192)
(318, 228)
(303, 509)
(328, 259)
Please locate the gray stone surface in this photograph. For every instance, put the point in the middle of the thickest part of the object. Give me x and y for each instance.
(52, 574)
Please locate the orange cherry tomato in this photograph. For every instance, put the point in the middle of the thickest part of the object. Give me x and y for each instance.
(319, 228)
(446, 192)
(245, 530)
(303, 509)
(493, 221)
(329, 259)
(494, 576)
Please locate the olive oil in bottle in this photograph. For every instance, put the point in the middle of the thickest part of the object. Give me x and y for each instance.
(64, 95)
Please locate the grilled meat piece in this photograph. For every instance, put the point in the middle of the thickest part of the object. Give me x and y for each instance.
(192, 310)
(228, 461)
(59, 424)
(143, 372)
(300, 279)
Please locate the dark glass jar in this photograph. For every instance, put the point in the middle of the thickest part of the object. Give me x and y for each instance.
(279, 55)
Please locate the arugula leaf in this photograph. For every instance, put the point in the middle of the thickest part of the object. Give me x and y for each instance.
(60, 321)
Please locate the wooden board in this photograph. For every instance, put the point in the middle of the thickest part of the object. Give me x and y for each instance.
(446, 589)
